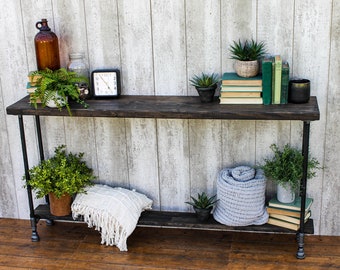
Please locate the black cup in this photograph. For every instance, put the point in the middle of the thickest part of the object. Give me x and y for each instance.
(299, 91)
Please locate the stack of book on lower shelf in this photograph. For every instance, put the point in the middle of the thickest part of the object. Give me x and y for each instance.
(287, 215)
(239, 90)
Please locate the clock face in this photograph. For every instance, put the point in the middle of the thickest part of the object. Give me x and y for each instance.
(106, 83)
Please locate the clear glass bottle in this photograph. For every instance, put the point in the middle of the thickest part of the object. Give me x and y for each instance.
(77, 64)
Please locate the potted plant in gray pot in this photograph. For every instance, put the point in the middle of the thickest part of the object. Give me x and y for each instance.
(205, 85)
(246, 55)
(60, 177)
(203, 205)
(285, 169)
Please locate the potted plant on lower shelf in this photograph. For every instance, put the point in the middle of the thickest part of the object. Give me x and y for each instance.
(246, 55)
(60, 177)
(205, 85)
(285, 169)
(55, 88)
(203, 205)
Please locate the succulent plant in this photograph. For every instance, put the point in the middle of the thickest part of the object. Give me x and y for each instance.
(249, 50)
(203, 201)
(204, 80)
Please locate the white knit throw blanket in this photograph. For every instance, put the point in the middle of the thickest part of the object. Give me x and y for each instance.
(112, 211)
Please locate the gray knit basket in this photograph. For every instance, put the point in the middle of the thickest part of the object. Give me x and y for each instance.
(242, 200)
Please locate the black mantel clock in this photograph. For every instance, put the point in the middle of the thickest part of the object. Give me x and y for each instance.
(105, 83)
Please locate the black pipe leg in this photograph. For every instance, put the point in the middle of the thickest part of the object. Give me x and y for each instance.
(49, 222)
(301, 246)
(35, 236)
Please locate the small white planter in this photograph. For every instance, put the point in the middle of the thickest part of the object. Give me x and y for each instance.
(51, 103)
(285, 194)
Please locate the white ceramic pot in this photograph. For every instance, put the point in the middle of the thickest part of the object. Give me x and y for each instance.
(51, 103)
(285, 194)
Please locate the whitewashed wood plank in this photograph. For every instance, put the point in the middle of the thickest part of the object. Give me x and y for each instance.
(330, 211)
(169, 48)
(69, 20)
(142, 157)
(8, 200)
(238, 143)
(136, 47)
(102, 34)
(203, 39)
(236, 25)
(173, 163)
(205, 155)
(13, 77)
(268, 133)
(112, 152)
(238, 136)
(80, 138)
(41, 10)
(312, 49)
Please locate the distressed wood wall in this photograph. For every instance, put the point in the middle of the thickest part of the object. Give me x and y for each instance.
(158, 45)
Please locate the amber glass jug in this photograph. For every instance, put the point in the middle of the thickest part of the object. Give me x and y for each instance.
(46, 47)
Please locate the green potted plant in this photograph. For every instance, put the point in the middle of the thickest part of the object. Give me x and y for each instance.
(60, 177)
(246, 55)
(203, 205)
(55, 88)
(205, 85)
(285, 169)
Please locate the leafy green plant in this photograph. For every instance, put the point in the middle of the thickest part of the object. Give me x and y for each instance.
(204, 80)
(203, 201)
(63, 173)
(249, 50)
(285, 167)
(61, 82)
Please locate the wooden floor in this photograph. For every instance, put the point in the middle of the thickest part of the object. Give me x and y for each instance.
(74, 246)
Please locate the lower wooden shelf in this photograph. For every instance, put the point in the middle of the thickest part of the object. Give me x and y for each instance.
(183, 220)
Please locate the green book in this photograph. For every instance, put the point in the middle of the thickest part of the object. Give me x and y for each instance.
(296, 205)
(276, 96)
(231, 78)
(284, 83)
(267, 70)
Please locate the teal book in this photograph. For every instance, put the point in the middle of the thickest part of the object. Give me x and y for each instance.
(296, 205)
(284, 83)
(276, 94)
(267, 73)
(231, 78)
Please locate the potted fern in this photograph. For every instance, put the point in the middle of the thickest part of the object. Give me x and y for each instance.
(203, 205)
(60, 177)
(246, 55)
(55, 88)
(205, 85)
(285, 169)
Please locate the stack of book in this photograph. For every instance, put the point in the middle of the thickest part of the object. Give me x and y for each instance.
(287, 215)
(239, 90)
(275, 76)
(32, 83)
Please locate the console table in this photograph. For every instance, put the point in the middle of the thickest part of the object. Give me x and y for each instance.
(174, 107)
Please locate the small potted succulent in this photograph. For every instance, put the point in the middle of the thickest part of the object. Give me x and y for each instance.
(55, 88)
(60, 177)
(205, 85)
(285, 169)
(203, 205)
(246, 55)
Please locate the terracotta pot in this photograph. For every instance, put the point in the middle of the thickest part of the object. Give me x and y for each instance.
(60, 206)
